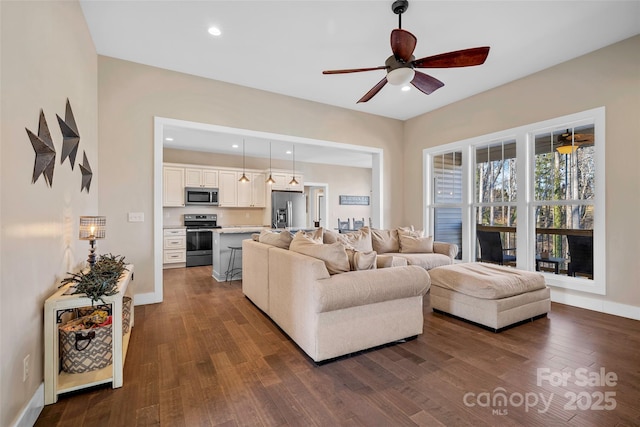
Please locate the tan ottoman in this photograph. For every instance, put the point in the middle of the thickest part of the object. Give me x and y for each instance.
(488, 294)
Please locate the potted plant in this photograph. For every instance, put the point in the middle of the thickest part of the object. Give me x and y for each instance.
(100, 280)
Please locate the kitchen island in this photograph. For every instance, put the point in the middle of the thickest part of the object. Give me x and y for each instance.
(222, 239)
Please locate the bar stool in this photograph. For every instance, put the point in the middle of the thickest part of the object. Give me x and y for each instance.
(232, 270)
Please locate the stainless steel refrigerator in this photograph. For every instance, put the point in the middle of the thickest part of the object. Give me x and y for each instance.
(288, 209)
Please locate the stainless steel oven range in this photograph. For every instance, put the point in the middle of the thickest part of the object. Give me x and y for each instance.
(199, 238)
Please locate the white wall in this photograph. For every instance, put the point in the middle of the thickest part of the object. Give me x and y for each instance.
(131, 95)
(47, 56)
(609, 77)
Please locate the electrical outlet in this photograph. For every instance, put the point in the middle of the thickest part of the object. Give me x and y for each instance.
(26, 368)
(136, 216)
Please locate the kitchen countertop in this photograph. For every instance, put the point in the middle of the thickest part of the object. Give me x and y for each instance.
(239, 229)
(179, 227)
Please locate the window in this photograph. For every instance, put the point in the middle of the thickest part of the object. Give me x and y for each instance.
(564, 192)
(447, 198)
(540, 186)
(495, 198)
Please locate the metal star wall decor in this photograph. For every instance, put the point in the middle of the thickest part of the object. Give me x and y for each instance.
(45, 152)
(86, 172)
(70, 136)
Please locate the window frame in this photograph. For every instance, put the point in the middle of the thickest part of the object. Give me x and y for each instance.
(526, 203)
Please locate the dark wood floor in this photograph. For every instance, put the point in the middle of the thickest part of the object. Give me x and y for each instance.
(206, 357)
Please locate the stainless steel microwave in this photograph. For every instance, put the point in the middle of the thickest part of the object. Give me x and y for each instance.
(201, 196)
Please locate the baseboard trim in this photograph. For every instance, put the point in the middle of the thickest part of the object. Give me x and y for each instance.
(148, 298)
(594, 304)
(30, 413)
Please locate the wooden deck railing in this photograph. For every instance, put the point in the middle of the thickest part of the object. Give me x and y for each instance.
(560, 231)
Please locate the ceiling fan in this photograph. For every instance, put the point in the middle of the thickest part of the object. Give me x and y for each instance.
(578, 138)
(402, 64)
(570, 142)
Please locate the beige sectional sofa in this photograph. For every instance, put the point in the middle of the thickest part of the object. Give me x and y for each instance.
(331, 315)
(406, 243)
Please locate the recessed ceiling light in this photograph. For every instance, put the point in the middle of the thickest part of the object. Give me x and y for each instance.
(214, 31)
(234, 146)
(288, 151)
(406, 88)
(168, 139)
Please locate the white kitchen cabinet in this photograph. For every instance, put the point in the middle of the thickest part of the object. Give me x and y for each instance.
(227, 188)
(284, 178)
(244, 191)
(57, 381)
(172, 186)
(174, 247)
(252, 194)
(195, 177)
(258, 190)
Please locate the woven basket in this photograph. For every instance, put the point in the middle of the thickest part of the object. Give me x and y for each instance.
(85, 350)
(126, 314)
(86, 311)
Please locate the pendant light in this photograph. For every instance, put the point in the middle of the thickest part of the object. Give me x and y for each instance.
(567, 146)
(293, 171)
(270, 181)
(243, 178)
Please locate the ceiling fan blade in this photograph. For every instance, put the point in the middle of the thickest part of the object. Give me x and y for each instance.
(425, 83)
(458, 58)
(403, 44)
(354, 70)
(374, 90)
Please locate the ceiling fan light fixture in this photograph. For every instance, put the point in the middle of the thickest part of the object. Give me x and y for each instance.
(566, 148)
(400, 76)
(406, 88)
(214, 31)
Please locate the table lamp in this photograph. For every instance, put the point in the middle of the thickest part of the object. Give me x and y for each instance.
(92, 228)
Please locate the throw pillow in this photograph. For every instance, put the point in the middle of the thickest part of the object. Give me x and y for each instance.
(362, 260)
(411, 244)
(410, 231)
(316, 235)
(384, 241)
(359, 240)
(279, 239)
(330, 236)
(334, 255)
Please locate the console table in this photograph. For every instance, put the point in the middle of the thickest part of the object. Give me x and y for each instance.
(56, 381)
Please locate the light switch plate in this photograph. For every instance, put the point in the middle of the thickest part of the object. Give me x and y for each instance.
(136, 216)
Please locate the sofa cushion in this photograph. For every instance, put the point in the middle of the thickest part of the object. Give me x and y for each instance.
(410, 231)
(315, 235)
(359, 260)
(279, 239)
(384, 241)
(426, 261)
(411, 244)
(359, 240)
(387, 260)
(331, 236)
(334, 255)
(357, 288)
(486, 281)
